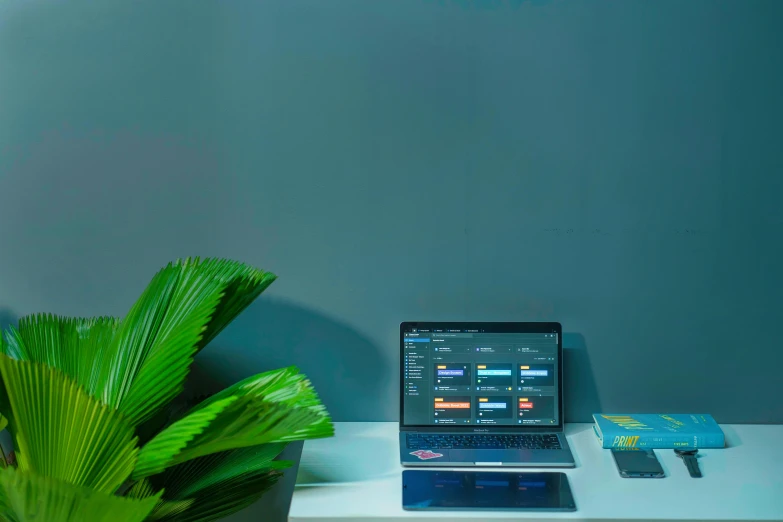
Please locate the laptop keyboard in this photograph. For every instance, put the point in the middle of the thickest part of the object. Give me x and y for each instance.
(547, 441)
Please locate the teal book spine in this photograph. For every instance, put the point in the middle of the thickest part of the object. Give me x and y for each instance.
(658, 430)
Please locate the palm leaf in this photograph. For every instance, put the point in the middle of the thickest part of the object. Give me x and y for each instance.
(141, 489)
(163, 448)
(64, 433)
(28, 497)
(153, 347)
(140, 364)
(47, 339)
(167, 510)
(144, 489)
(276, 406)
(220, 484)
(3, 457)
(72, 344)
(94, 364)
(232, 496)
(243, 284)
(5, 406)
(188, 479)
(183, 307)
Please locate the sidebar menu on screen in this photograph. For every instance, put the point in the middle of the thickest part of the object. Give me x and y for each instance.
(416, 378)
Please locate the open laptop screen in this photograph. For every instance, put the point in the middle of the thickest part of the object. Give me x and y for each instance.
(481, 374)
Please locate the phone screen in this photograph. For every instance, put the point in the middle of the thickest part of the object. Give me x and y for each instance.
(637, 463)
(539, 491)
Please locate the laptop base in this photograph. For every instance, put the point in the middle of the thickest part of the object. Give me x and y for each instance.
(518, 458)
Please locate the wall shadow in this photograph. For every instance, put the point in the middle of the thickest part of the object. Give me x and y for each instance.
(347, 369)
(7, 318)
(580, 392)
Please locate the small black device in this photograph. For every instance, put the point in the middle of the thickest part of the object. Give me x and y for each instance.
(689, 457)
(637, 463)
(494, 490)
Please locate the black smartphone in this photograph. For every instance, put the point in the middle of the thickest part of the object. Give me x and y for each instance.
(495, 490)
(637, 463)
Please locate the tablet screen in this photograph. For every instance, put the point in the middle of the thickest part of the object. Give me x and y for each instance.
(534, 491)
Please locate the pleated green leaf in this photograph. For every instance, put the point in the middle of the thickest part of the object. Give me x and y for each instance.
(286, 388)
(75, 392)
(232, 496)
(144, 489)
(189, 479)
(76, 346)
(141, 489)
(159, 452)
(28, 497)
(220, 484)
(243, 284)
(64, 433)
(5, 406)
(276, 406)
(140, 364)
(167, 510)
(156, 340)
(3, 456)
(183, 307)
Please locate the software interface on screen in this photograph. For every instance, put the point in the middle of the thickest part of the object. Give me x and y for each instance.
(475, 377)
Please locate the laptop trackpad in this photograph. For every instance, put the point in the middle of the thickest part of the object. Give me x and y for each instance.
(489, 457)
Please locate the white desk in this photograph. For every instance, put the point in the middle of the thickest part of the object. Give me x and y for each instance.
(356, 475)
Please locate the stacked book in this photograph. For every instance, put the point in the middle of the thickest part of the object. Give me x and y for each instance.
(661, 431)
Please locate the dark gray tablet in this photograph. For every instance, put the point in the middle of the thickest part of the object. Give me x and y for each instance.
(498, 490)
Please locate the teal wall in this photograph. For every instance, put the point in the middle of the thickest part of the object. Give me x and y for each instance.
(612, 165)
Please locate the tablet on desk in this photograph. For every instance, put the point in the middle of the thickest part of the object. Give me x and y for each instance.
(496, 490)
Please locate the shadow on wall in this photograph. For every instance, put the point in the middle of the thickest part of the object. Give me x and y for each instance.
(347, 370)
(580, 393)
(7, 318)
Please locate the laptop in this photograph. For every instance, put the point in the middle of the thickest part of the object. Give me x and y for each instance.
(482, 394)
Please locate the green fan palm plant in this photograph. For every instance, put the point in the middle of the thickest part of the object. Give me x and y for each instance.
(88, 405)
